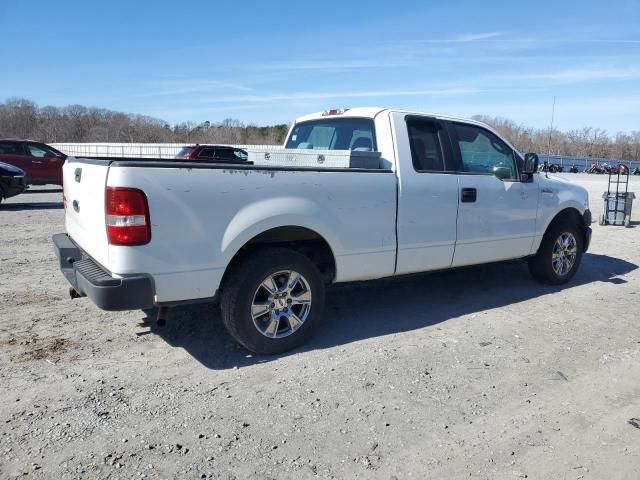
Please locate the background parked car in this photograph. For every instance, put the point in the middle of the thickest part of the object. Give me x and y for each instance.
(210, 153)
(42, 163)
(12, 181)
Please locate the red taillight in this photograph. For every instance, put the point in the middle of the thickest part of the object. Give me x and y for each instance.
(127, 216)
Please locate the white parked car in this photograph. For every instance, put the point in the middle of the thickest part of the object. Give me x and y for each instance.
(359, 194)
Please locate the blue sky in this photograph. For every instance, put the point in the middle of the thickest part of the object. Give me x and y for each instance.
(268, 62)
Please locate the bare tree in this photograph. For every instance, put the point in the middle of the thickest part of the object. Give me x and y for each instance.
(77, 123)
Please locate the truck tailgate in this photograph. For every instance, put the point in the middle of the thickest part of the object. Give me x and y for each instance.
(84, 187)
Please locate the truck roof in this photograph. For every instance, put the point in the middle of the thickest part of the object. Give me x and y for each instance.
(372, 112)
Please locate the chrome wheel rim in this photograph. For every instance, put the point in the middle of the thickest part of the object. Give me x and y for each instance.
(565, 252)
(281, 304)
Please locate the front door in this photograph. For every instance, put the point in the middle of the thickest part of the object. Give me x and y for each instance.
(46, 166)
(497, 212)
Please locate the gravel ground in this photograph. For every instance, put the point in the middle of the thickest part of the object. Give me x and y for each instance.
(477, 373)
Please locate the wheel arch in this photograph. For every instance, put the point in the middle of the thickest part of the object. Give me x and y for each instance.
(302, 239)
(569, 214)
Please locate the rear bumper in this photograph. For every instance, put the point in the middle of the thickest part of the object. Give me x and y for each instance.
(91, 280)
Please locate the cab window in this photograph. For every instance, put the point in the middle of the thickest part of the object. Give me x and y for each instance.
(355, 134)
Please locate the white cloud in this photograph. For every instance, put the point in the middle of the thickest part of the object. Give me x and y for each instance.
(302, 96)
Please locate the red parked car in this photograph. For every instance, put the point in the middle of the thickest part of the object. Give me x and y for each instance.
(42, 163)
(212, 153)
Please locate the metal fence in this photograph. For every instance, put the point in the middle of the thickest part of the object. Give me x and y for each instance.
(584, 162)
(131, 150)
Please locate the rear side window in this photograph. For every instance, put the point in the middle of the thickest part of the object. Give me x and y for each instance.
(10, 149)
(207, 153)
(225, 154)
(357, 134)
(426, 149)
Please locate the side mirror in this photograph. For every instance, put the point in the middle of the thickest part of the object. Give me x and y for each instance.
(503, 173)
(530, 167)
(530, 163)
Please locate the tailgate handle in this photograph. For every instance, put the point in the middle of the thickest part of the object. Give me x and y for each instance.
(78, 174)
(469, 195)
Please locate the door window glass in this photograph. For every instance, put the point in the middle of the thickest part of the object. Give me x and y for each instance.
(426, 151)
(207, 153)
(40, 151)
(483, 152)
(225, 154)
(9, 149)
(240, 154)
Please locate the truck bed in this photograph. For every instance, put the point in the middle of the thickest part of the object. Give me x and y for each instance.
(202, 214)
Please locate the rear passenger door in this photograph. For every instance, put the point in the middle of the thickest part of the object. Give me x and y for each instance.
(224, 154)
(497, 212)
(207, 154)
(427, 194)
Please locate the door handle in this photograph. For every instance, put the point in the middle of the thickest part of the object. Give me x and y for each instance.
(468, 195)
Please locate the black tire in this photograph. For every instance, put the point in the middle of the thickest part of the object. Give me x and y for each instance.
(241, 284)
(541, 266)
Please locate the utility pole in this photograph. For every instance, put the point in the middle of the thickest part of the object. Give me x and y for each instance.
(553, 111)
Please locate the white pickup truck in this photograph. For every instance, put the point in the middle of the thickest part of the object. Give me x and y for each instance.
(437, 192)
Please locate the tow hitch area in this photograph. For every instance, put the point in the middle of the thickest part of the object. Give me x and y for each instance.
(73, 293)
(161, 318)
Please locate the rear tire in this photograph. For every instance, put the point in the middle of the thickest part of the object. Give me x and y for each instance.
(262, 311)
(559, 255)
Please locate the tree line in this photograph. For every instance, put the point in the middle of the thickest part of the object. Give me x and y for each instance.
(79, 124)
(582, 142)
(23, 118)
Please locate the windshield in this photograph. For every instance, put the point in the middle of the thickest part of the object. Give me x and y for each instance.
(334, 134)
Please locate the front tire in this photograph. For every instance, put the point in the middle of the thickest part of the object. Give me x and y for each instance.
(272, 301)
(559, 255)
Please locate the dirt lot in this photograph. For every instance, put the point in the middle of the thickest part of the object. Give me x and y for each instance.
(478, 373)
